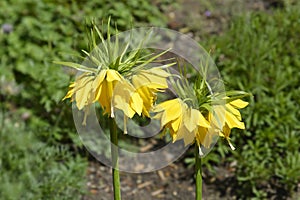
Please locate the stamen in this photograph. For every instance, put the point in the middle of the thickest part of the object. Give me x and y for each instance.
(125, 124)
(231, 146)
(200, 152)
(112, 114)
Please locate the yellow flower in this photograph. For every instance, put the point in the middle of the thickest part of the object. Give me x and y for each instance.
(182, 120)
(82, 87)
(233, 119)
(110, 87)
(117, 78)
(139, 97)
(103, 88)
(189, 124)
(147, 83)
(222, 120)
(89, 88)
(127, 99)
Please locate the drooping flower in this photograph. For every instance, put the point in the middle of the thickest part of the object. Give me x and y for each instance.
(110, 87)
(182, 120)
(89, 88)
(233, 119)
(194, 122)
(127, 99)
(147, 83)
(118, 82)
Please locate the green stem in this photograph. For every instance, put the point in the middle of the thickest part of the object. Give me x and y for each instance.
(198, 171)
(115, 159)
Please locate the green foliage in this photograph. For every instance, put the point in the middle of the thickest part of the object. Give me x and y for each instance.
(260, 54)
(35, 160)
(44, 31)
(31, 169)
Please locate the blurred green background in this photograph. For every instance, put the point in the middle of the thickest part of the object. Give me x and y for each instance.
(255, 46)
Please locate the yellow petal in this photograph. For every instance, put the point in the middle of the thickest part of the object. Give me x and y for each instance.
(147, 83)
(127, 99)
(158, 72)
(83, 89)
(123, 89)
(173, 110)
(105, 99)
(234, 111)
(217, 118)
(191, 119)
(97, 93)
(121, 98)
(165, 105)
(232, 121)
(148, 98)
(149, 80)
(99, 79)
(239, 103)
(188, 137)
(121, 104)
(112, 75)
(200, 135)
(202, 121)
(209, 138)
(226, 133)
(176, 123)
(158, 115)
(70, 92)
(136, 103)
(72, 85)
(173, 134)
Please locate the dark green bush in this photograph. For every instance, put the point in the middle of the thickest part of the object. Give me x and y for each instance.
(260, 54)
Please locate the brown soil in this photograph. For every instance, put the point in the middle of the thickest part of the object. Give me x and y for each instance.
(170, 183)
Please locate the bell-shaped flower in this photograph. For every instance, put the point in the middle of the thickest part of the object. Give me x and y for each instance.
(182, 121)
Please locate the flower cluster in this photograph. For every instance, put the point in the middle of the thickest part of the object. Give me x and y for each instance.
(127, 84)
(119, 82)
(194, 122)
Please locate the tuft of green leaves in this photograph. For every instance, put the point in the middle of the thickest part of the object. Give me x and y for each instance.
(267, 65)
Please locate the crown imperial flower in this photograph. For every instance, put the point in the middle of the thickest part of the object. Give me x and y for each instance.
(124, 83)
(194, 122)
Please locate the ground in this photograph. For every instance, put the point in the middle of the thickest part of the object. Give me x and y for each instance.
(170, 183)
